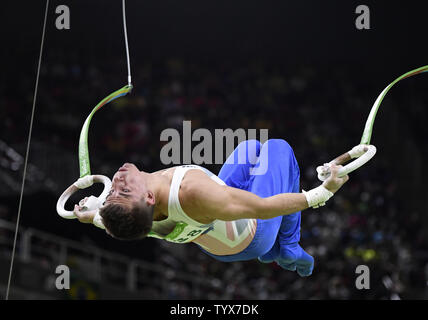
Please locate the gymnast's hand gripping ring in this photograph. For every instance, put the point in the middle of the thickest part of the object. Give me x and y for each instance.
(92, 203)
(361, 153)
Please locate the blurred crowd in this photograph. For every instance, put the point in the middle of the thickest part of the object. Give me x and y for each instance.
(320, 111)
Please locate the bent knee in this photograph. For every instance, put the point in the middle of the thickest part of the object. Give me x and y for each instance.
(281, 153)
(279, 145)
(251, 144)
(248, 151)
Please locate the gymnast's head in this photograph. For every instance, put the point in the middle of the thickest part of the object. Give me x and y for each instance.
(128, 210)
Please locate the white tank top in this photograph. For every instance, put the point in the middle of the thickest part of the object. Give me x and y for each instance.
(219, 237)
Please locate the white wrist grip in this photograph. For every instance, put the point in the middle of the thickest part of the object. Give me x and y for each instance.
(318, 196)
(98, 221)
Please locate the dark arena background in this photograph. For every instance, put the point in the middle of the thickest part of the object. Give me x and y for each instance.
(300, 69)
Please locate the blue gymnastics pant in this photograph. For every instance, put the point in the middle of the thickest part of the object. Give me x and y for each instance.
(264, 170)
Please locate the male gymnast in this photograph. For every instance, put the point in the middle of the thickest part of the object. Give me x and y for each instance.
(242, 214)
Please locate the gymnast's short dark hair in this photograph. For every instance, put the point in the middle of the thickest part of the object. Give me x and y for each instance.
(127, 222)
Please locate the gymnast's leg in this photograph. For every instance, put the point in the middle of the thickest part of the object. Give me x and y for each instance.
(237, 172)
(243, 167)
(287, 251)
(273, 173)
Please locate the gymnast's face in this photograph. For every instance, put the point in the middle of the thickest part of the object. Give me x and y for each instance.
(128, 186)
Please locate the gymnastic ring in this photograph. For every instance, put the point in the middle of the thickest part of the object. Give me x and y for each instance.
(60, 205)
(367, 150)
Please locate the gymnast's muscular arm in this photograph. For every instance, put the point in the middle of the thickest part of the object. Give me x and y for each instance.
(204, 200)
